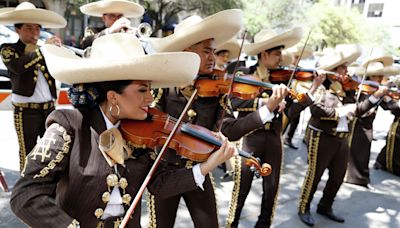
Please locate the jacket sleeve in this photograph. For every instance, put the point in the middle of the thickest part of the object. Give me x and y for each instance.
(235, 128)
(32, 199)
(170, 181)
(18, 63)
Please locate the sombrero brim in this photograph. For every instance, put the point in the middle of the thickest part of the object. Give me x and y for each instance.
(221, 27)
(385, 60)
(385, 71)
(45, 18)
(128, 9)
(233, 47)
(163, 69)
(286, 39)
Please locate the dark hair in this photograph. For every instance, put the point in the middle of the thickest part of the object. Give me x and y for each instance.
(221, 51)
(93, 94)
(280, 47)
(19, 25)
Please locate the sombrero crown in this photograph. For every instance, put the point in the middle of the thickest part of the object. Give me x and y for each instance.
(127, 8)
(268, 38)
(120, 56)
(232, 46)
(342, 54)
(381, 65)
(26, 12)
(221, 27)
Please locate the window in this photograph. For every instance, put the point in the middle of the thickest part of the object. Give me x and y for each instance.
(375, 10)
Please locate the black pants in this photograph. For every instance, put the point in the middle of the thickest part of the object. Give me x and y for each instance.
(267, 146)
(201, 205)
(29, 124)
(324, 152)
(292, 127)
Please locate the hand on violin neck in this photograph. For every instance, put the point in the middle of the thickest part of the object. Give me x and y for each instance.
(226, 151)
(279, 92)
(382, 91)
(317, 82)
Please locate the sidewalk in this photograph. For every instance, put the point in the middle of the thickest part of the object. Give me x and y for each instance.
(361, 207)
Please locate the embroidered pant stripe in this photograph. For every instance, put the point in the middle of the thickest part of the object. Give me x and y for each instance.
(152, 210)
(390, 145)
(18, 123)
(235, 192)
(312, 164)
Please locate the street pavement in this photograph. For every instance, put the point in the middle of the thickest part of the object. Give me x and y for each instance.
(361, 207)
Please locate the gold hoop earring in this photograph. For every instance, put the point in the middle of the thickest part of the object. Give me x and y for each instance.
(110, 110)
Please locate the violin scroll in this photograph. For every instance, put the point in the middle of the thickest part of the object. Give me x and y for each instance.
(259, 170)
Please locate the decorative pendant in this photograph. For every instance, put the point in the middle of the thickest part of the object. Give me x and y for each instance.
(98, 213)
(126, 199)
(106, 197)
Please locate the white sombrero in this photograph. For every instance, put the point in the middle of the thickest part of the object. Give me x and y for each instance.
(287, 58)
(382, 65)
(221, 27)
(26, 12)
(127, 8)
(344, 53)
(296, 51)
(120, 56)
(267, 39)
(232, 46)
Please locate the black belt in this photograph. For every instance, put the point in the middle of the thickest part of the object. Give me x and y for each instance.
(41, 106)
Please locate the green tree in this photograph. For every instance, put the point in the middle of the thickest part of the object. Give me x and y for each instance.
(331, 25)
(275, 14)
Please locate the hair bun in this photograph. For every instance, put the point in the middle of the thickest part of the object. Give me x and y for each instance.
(83, 95)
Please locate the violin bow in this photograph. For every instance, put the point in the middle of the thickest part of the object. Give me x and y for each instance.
(298, 60)
(156, 163)
(363, 77)
(235, 69)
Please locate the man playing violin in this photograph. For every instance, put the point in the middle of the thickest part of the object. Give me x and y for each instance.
(33, 88)
(299, 87)
(375, 70)
(329, 129)
(200, 36)
(389, 157)
(114, 14)
(260, 126)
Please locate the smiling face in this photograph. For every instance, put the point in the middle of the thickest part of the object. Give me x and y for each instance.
(205, 49)
(134, 102)
(28, 33)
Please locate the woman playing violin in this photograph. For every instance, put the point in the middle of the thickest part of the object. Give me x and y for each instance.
(69, 180)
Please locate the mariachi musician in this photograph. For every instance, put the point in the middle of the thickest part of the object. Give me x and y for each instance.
(83, 173)
(33, 87)
(200, 36)
(113, 13)
(329, 128)
(260, 122)
(375, 70)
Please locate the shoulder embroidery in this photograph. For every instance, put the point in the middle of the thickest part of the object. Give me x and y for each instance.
(8, 53)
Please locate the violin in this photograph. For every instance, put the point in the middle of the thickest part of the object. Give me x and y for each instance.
(283, 74)
(244, 86)
(368, 87)
(191, 141)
